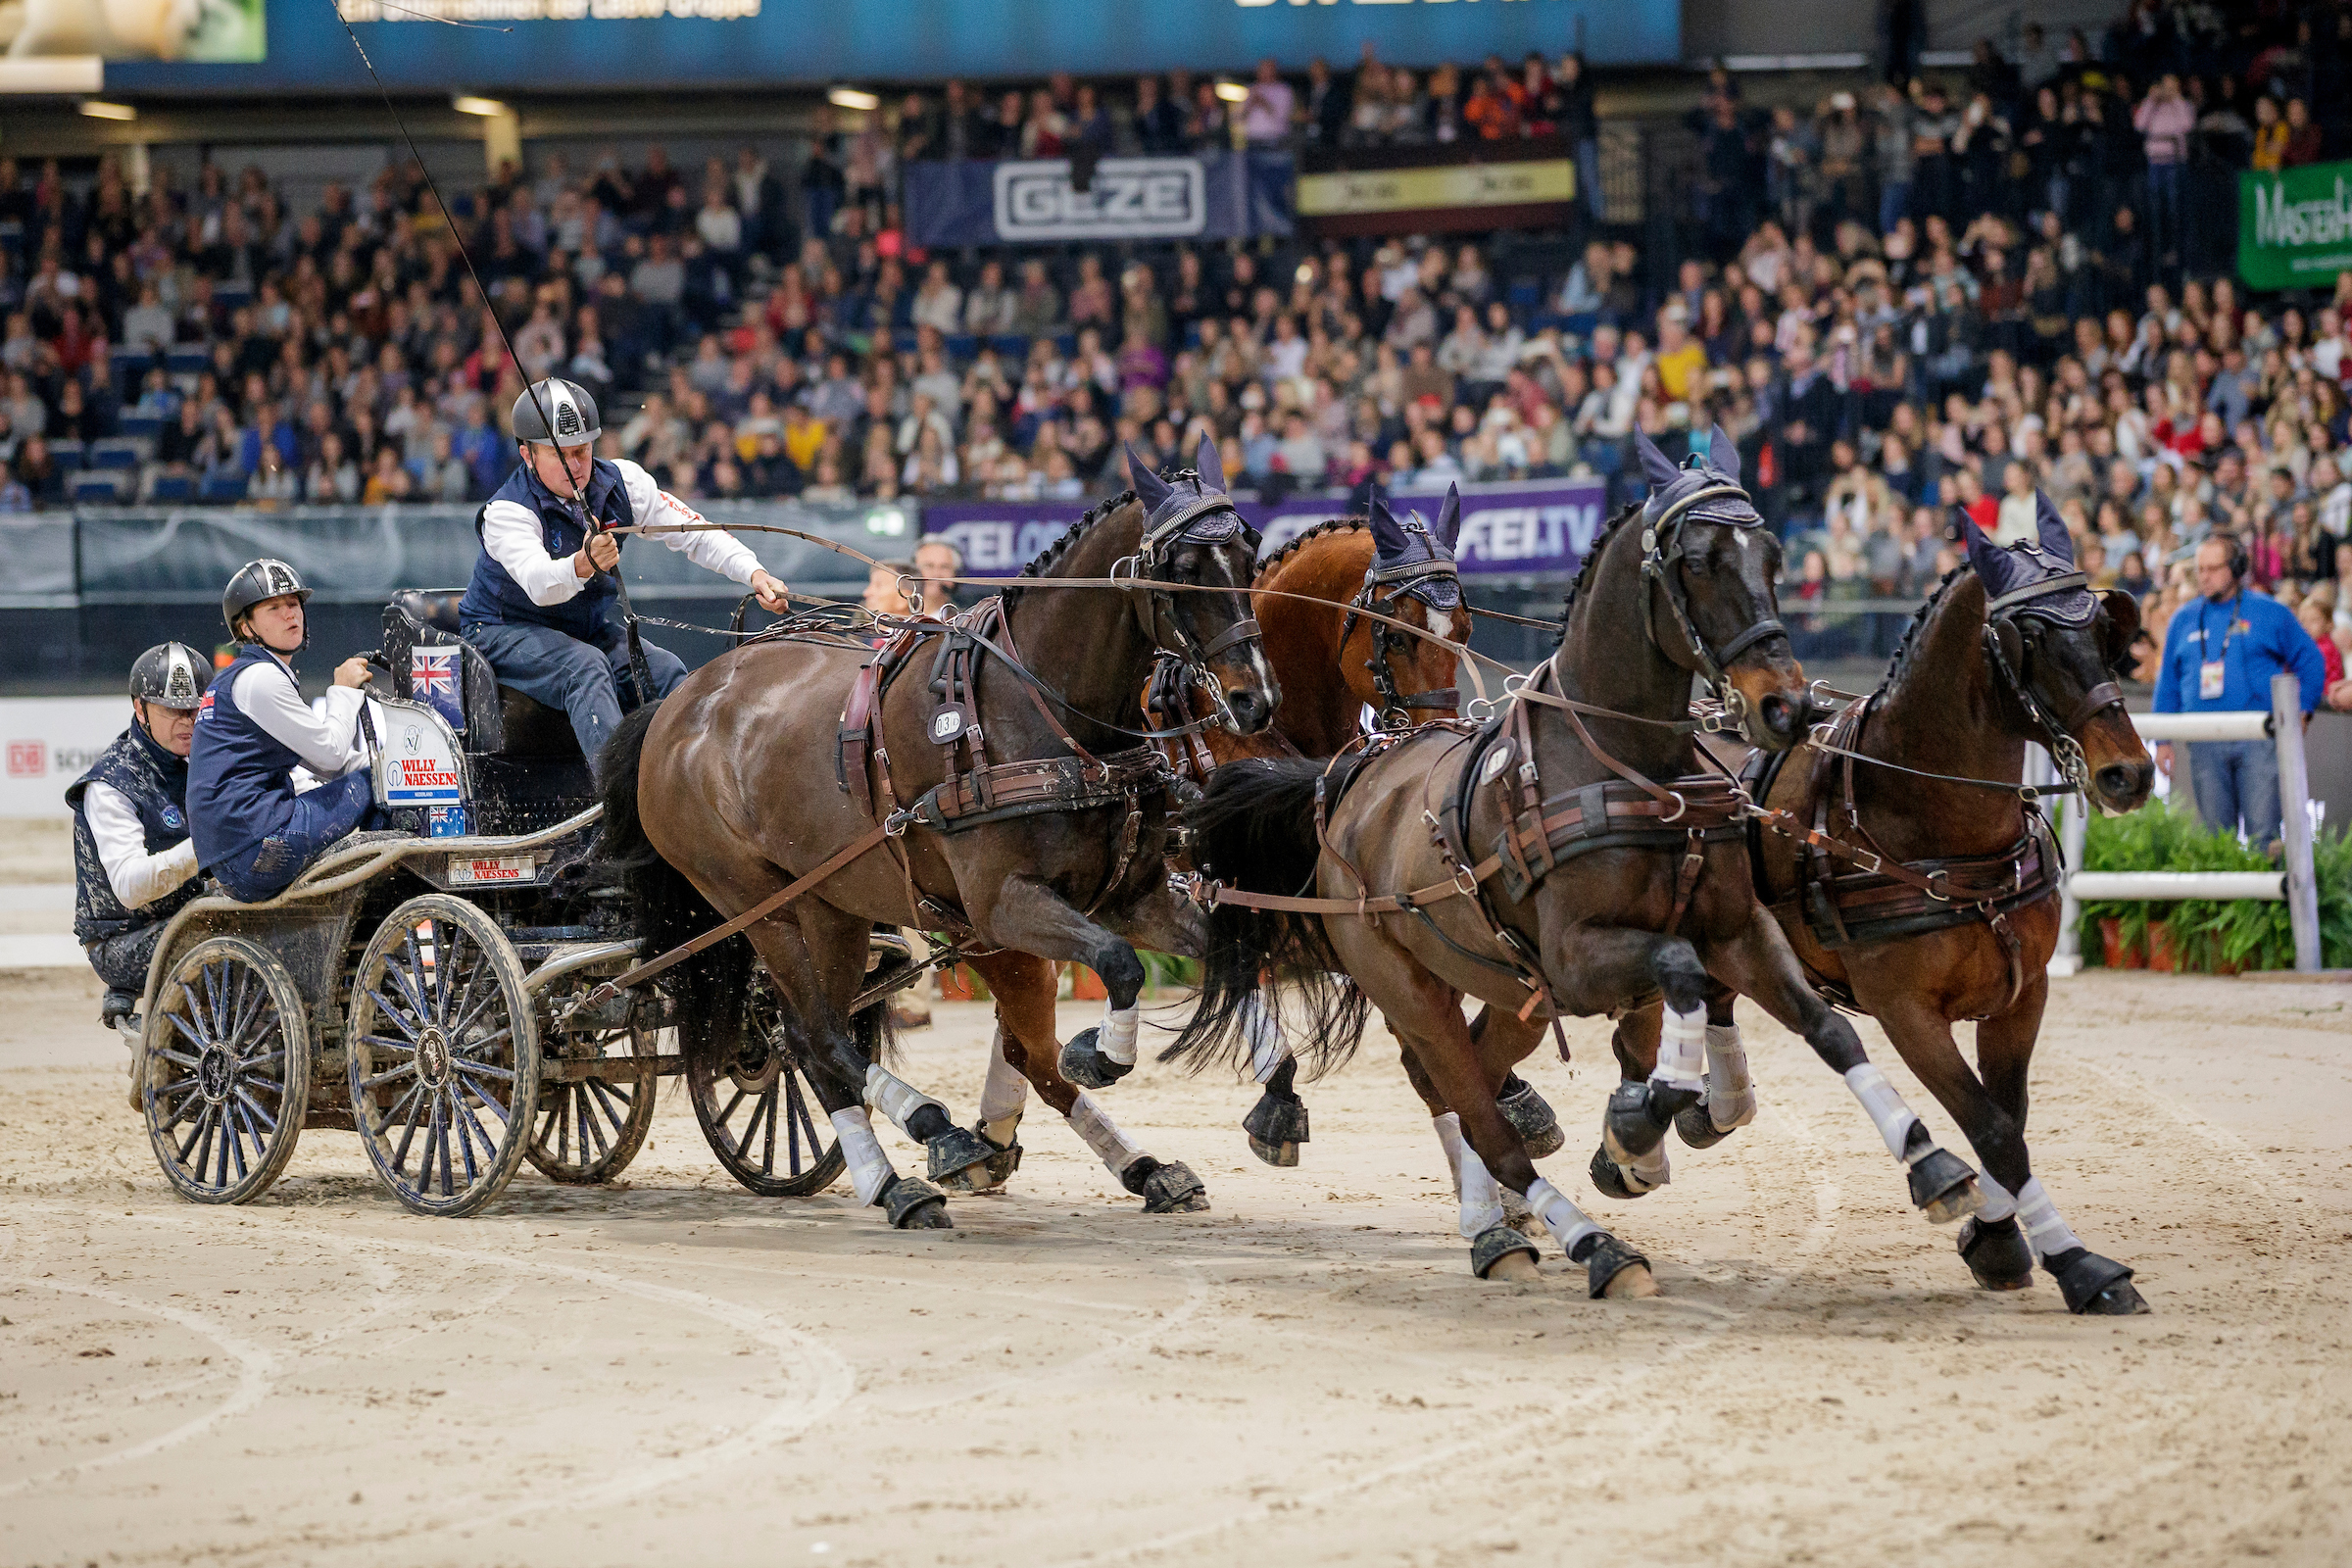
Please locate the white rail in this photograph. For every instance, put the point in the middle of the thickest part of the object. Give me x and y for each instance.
(2297, 883)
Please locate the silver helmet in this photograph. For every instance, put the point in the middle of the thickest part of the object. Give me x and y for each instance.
(171, 676)
(256, 580)
(557, 411)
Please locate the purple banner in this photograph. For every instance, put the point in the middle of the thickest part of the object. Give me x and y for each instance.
(1537, 528)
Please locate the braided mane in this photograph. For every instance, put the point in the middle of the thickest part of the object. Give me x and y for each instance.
(1591, 559)
(1299, 540)
(1049, 556)
(1909, 645)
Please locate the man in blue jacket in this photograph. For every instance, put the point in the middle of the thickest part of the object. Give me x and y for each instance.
(2220, 654)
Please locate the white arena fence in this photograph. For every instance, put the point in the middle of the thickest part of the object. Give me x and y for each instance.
(2296, 882)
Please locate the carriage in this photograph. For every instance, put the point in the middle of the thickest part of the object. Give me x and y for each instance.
(428, 986)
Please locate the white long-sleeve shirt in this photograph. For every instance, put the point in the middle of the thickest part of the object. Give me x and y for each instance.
(137, 877)
(512, 535)
(326, 736)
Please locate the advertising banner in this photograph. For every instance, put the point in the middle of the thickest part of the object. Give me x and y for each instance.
(643, 45)
(209, 33)
(1539, 529)
(1433, 189)
(2294, 227)
(1042, 201)
(49, 742)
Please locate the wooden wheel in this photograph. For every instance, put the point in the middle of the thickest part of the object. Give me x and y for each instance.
(758, 1109)
(444, 1051)
(589, 1129)
(228, 1071)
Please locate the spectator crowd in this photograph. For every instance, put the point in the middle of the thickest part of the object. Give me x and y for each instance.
(1942, 292)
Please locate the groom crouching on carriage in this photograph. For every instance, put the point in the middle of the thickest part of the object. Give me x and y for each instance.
(540, 604)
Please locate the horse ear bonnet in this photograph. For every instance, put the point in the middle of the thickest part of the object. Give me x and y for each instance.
(2046, 558)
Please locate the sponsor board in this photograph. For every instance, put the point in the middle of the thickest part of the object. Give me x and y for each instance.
(470, 870)
(49, 742)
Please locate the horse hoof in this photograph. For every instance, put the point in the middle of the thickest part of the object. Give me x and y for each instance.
(1166, 1189)
(914, 1205)
(1277, 1126)
(1082, 1065)
(1697, 1130)
(1531, 1117)
(994, 1168)
(1998, 1254)
(1499, 1253)
(2095, 1286)
(1615, 1271)
(1943, 1187)
(954, 1153)
(1613, 1180)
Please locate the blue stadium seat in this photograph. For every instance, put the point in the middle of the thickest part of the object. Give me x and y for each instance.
(116, 454)
(962, 347)
(1067, 344)
(230, 296)
(1011, 345)
(145, 427)
(67, 453)
(102, 488)
(904, 340)
(188, 361)
(130, 368)
(1526, 298)
(224, 485)
(173, 487)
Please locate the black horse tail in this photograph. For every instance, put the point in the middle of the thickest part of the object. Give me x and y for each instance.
(710, 989)
(1254, 828)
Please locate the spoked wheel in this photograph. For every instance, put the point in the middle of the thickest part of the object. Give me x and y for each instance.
(228, 1071)
(589, 1129)
(444, 1052)
(758, 1109)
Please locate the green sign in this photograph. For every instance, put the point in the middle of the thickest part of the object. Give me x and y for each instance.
(2294, 227)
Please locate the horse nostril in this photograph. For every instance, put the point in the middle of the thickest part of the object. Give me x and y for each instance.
(2122, 780)
(1250, 711)
(1778, 712)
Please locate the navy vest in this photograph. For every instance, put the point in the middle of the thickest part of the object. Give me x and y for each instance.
(494, 599)
(241, 785)
(156, 783)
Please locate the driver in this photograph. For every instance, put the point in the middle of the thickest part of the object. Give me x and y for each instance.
(540, 605)
(252, 830)
(135, 865)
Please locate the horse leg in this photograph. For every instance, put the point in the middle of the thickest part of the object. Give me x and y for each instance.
(1025, 913)
(1448, 1125)
(1731, 1101)
(1005, 1091)
(1659, 1049)
(1504, 1041)
(1758, 964)
(2091, 1284)
(1025, 1015)
(799, 948)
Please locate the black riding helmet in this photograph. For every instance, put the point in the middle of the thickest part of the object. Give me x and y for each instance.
(256, 580)
(557, 413)
(171, 676)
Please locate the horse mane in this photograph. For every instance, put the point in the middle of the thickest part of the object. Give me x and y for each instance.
(1050, 556)
(1301, 539)
(1909, 646)
(1591, 559)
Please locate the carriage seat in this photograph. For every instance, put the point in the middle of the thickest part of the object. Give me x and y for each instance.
(499, 720)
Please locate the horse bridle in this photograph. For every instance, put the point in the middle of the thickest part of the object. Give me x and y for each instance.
(2004, 610)
(1156, 607)
(1662, 551)
(1401, 580)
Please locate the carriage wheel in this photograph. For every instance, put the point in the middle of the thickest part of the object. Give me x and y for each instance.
(589, 1129)
(228, 1071)
(444, 1051)
(758, 1110)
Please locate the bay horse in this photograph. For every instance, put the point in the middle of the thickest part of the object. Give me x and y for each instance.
(1659, 900)
(1923, 775)
(1001, 801)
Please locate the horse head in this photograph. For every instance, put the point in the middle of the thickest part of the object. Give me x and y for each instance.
(2059, 649)
(1708, 566)
(1190, 536)
(1412, 579)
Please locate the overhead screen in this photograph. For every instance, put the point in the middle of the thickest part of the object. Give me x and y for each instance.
(554, 45)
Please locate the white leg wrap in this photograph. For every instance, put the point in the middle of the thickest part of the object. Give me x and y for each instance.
(1998, 1204)
(1450, 1139)
(1731, 1093)
(893, 1097)
(1568, 1224)
(1005, 1091)
(1681, 1049)
(869, 1169)
(1103, 1135)
(1482, 1195)
(1116, 1042)
(1268, 1050)
(2045, 1232)
(1885, 1104)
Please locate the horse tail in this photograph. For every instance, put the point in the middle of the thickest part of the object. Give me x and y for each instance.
(1254, 828)
(710, 989)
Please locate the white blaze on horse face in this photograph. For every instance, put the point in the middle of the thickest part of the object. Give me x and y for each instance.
(2046, 1233)
(1731, 1093)
(869, 1169)
(1568, 1224)
(1117, 1041)
(1110, 1146)
(1885, 1104)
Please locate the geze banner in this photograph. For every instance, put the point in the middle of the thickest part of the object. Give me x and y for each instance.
(1541, 527)
(1035, 201)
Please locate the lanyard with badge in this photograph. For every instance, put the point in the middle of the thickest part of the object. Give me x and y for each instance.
(2214, 672)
